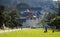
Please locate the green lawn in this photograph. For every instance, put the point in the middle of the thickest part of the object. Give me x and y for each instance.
(30, 33)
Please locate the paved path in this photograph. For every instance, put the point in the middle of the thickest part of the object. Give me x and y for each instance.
(3, 31)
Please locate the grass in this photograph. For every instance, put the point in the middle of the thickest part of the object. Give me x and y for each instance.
(30, 33)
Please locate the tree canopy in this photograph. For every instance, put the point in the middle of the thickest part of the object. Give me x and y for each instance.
(23, 5)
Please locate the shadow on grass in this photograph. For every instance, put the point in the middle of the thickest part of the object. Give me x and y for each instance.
(57, 30)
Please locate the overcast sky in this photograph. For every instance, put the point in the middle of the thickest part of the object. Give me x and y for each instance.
(55, 0)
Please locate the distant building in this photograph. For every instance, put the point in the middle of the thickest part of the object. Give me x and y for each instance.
(31, 19)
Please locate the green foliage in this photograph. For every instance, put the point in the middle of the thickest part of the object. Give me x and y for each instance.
(59, 8)
(47, 17)
(9, 19)
(1, 15)
(23, 5)
(55, 22)
(14, 16)
(2, 8)
(42, 21)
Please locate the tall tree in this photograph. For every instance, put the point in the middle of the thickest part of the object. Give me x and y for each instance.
(59, 8)
(55, 22)
(14, 16)
(23, 5)
(1, 15)
(7, 18)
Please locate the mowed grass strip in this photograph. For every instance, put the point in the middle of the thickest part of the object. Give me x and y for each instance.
(30, 33)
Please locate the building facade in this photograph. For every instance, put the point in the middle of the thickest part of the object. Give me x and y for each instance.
(31, 19)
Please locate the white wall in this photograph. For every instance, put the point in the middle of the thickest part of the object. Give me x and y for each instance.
(32, 23)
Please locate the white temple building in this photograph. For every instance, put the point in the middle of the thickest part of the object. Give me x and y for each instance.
(32, 19)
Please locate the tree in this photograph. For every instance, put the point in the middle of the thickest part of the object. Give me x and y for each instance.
(43, 21)
(56, 22)
(23, 5)
(1, 16)
(56, 8)
(59, 8)
(14, 16)
(46, 19)
(7, 18)
(10, 19)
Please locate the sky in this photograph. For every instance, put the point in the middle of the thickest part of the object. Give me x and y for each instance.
(55, 0)
(30, 2)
